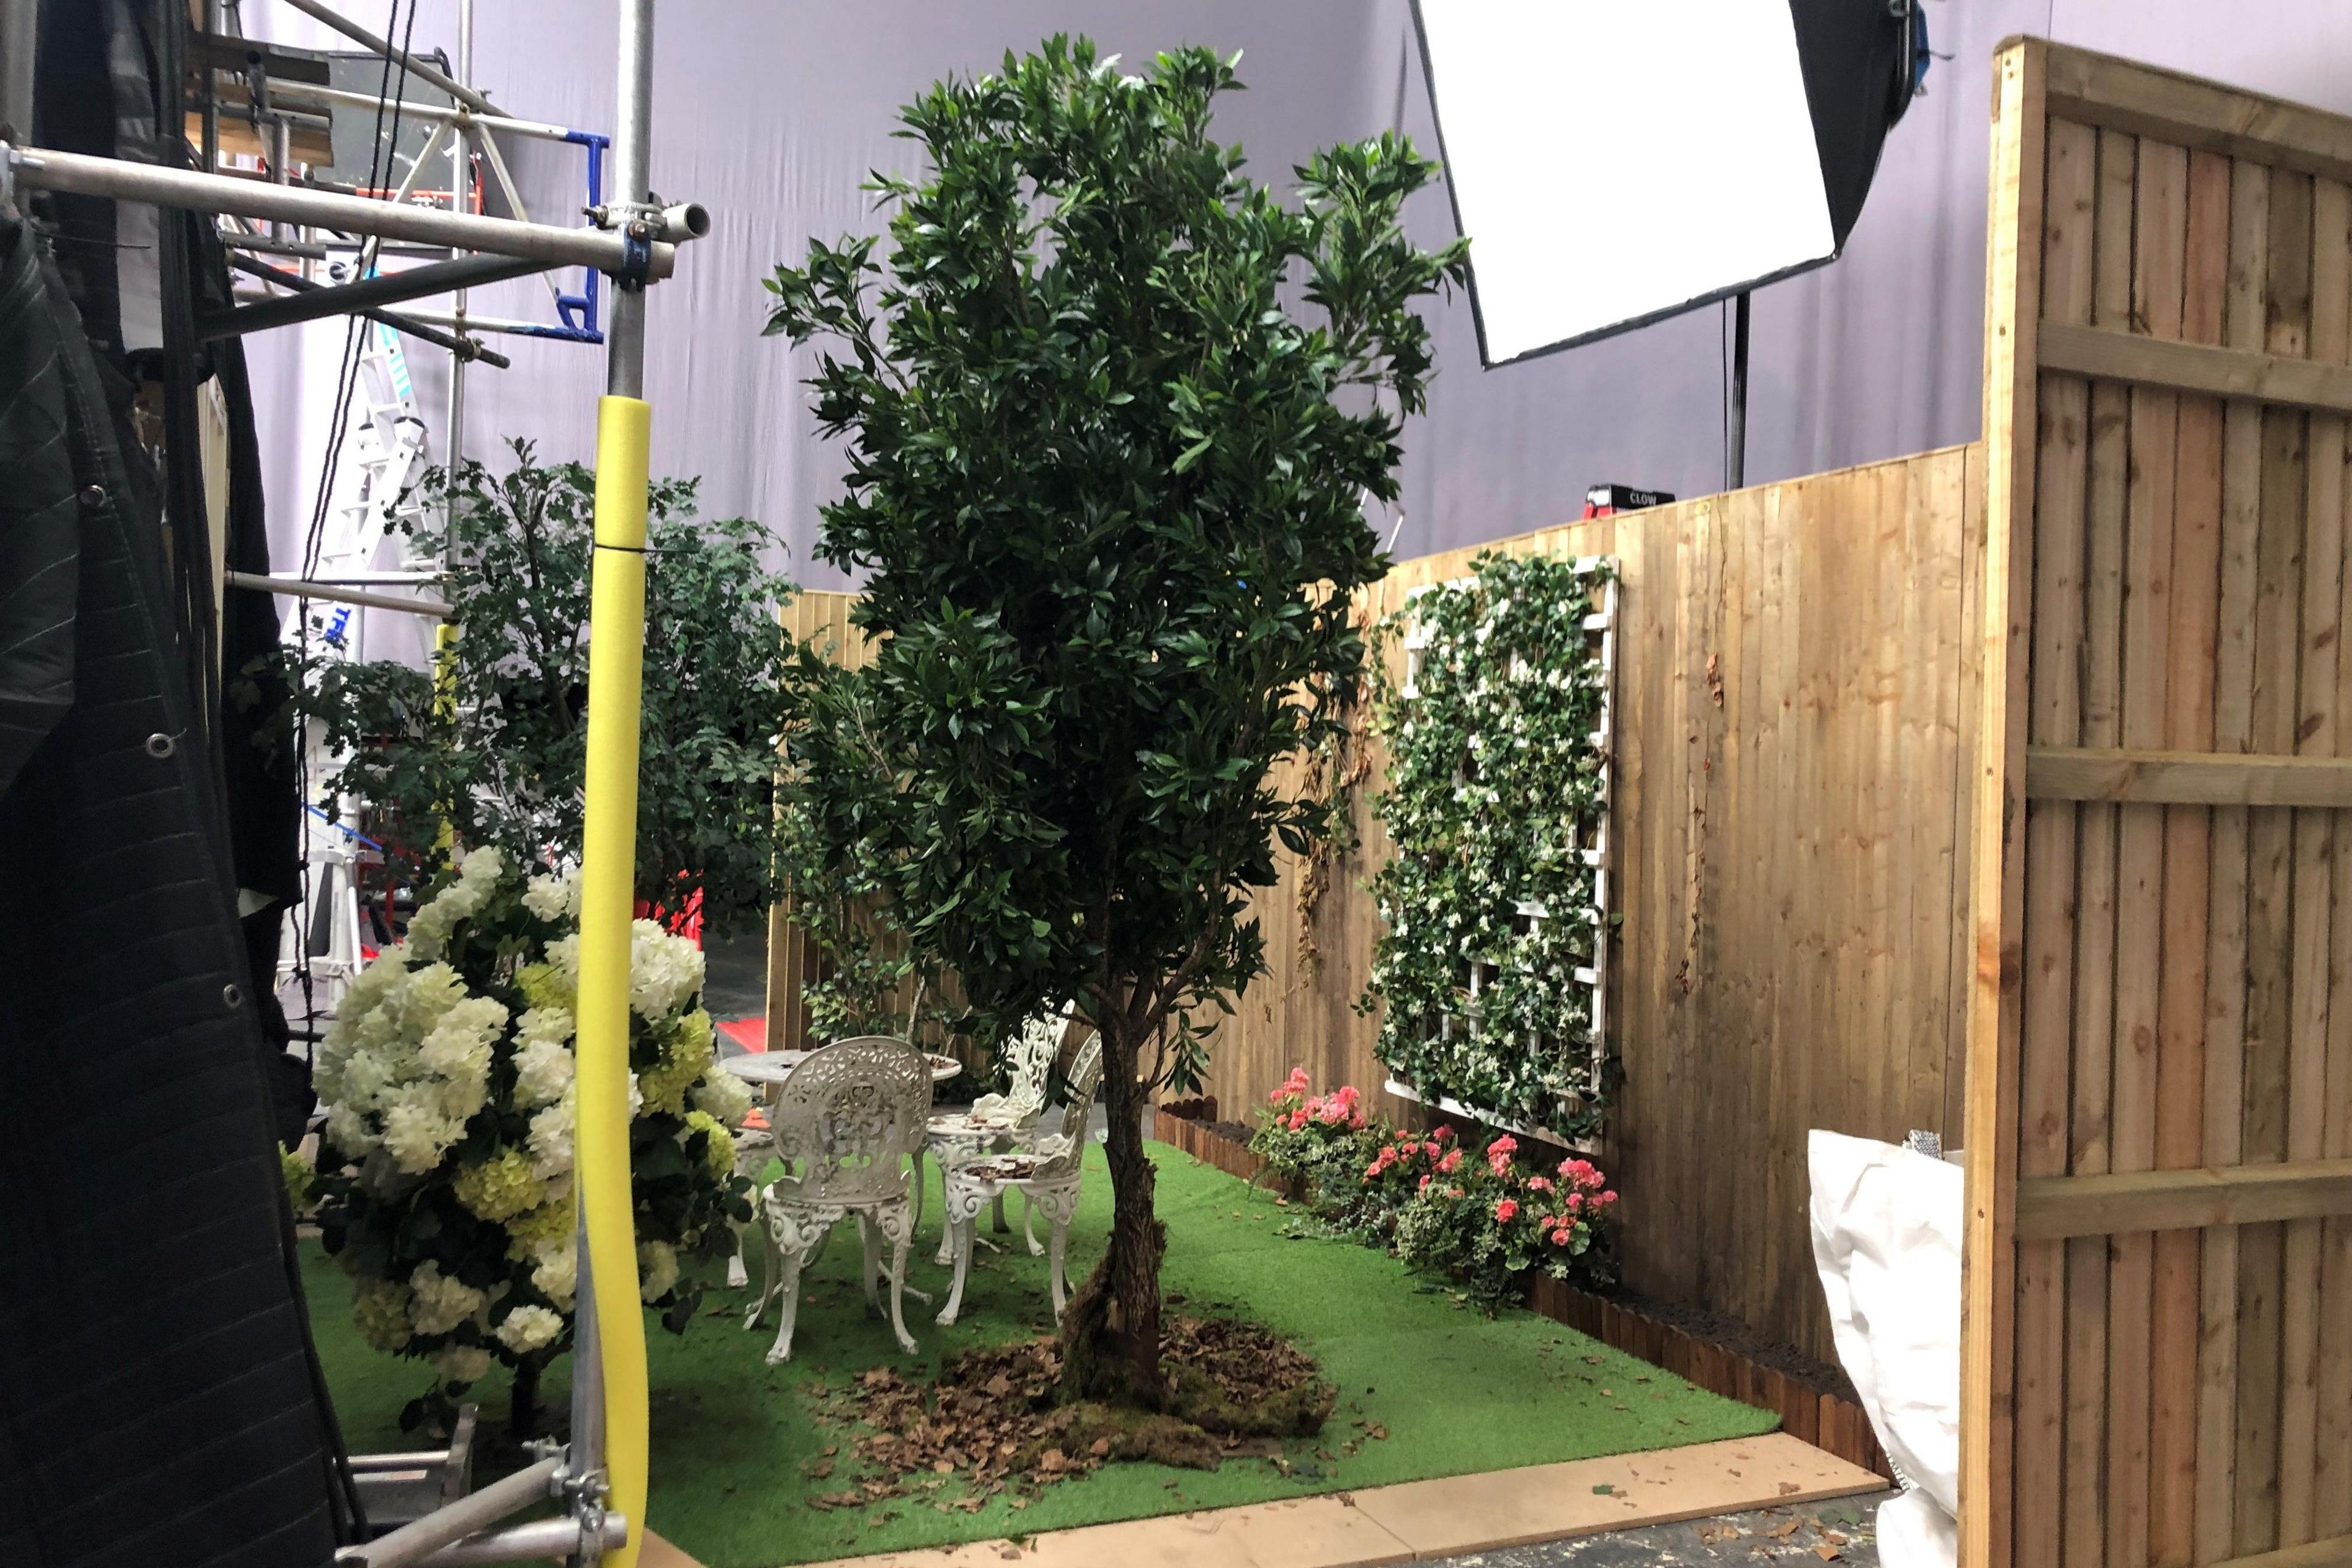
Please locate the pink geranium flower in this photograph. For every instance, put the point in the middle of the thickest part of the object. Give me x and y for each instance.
(1425, 1184)
(1539, 1184)
(1561, 1238)
(1452, 1162)
(1506, 1211)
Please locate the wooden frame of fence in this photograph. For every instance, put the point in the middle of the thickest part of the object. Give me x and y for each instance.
(2158, 1365)
(1794, 698)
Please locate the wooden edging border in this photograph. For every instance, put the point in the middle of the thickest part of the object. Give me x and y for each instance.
(1833, 1425)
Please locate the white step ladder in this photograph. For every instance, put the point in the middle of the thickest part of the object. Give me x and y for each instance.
(382, 440)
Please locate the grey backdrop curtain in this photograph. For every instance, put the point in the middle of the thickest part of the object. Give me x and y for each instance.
(772, 113)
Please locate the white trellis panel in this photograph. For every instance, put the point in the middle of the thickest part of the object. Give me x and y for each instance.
(1602, 621)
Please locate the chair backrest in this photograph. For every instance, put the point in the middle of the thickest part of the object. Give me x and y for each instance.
(1083, 1080)
(851, 1114)
(1031, 1055)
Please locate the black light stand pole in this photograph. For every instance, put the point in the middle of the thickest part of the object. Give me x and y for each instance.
(1735, 442)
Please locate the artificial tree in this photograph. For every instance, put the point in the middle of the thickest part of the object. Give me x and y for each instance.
(1104, 485)
(492, 739)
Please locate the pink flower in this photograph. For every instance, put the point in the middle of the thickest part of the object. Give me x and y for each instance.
(1430, 1149)
(1443, 1133)
(1539, 1184)
(1425, 1184)
(1506, 1211)
(1451, 1163)
(1299, 1119)
(1560, 1237)
(1575, 1202)
(1603, 1200)
(1371, 1170)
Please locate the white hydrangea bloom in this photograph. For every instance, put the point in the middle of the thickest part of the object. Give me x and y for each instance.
(416, 1134)
(483, 866)
(550, 1137)
(656, 1269)
(723, 1094)
(527, 1328)
(459, 1046)
(557, 1273)
(440, 1302)
(665, 970)
(554, 897)
(462, 1363)
(543, 1065)
(563, 952)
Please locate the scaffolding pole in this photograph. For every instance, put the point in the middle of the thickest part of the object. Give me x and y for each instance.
(650, 249)
(615, 1379)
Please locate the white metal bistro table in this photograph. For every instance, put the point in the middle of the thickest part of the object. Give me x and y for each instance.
(771, 1068)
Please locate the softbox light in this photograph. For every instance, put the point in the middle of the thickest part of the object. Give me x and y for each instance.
(1615, 162)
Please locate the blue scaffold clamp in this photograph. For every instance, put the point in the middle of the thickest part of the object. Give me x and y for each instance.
(636, 256)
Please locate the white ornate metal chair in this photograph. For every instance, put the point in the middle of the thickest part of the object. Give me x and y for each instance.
(1045, 1171)
(845, 1123)
(996, 1120)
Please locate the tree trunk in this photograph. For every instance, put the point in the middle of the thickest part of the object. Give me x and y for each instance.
(1110, 1331)
(522, 1409)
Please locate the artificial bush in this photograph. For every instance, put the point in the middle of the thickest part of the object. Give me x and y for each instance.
(444, 1178)
(1486, 1219)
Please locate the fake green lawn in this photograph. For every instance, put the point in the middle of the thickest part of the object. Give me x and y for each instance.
(733, 1439)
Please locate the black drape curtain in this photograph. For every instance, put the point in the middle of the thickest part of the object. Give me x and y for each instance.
(163, 1401)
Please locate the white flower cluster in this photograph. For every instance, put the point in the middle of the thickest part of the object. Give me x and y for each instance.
(554, 897)
(406, 1062)
(665, 970)
(477, 877)
(527, 1328)
(411, 1060)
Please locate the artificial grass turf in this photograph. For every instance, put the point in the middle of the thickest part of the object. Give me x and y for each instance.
(733, 1438)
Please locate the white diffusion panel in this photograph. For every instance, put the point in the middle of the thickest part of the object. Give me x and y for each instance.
(1616, 160)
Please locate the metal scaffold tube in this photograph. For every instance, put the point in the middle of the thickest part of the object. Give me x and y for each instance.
(609, 1307)
(43, 168)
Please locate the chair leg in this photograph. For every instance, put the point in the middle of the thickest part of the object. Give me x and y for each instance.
(869, 1245)
(781, 1350)
(767, 1278)
(897, 1225)
(997, 1210)
(959, 1232)
(920, 1150)
(1029, 1226)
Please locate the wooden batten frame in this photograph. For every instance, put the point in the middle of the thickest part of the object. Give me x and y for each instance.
(2157, 1365)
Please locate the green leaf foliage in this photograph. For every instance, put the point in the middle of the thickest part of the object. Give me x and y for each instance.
(1110, 411)
(498, 748)
(1494, 789)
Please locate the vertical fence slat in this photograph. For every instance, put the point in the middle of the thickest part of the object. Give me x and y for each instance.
(2181, 1008)
(2045, 1039)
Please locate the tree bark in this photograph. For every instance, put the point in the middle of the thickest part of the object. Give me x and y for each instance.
(1110, 1331)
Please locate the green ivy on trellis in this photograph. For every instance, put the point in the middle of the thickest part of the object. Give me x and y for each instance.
(1495, 805)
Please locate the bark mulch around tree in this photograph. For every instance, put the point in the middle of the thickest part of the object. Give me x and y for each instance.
(989, 1420)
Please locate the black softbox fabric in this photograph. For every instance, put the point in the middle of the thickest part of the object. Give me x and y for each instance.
(1852, 55)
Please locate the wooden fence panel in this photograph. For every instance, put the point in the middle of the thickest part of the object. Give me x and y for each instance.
(1790, 850)
(2159, 1068)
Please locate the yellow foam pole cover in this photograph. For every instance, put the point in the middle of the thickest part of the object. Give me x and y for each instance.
(445, 704)
(616, 648)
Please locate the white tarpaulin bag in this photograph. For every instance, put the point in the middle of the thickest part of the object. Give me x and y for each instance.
(1886, 1238)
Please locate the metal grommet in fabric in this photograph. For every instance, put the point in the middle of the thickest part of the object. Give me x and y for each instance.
(160, 746)
(231, 995)
(92, 496)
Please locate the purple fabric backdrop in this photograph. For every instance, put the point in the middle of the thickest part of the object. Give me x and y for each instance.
(771, 114)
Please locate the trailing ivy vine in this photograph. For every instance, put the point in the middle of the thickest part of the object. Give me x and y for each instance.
(1495, 788)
